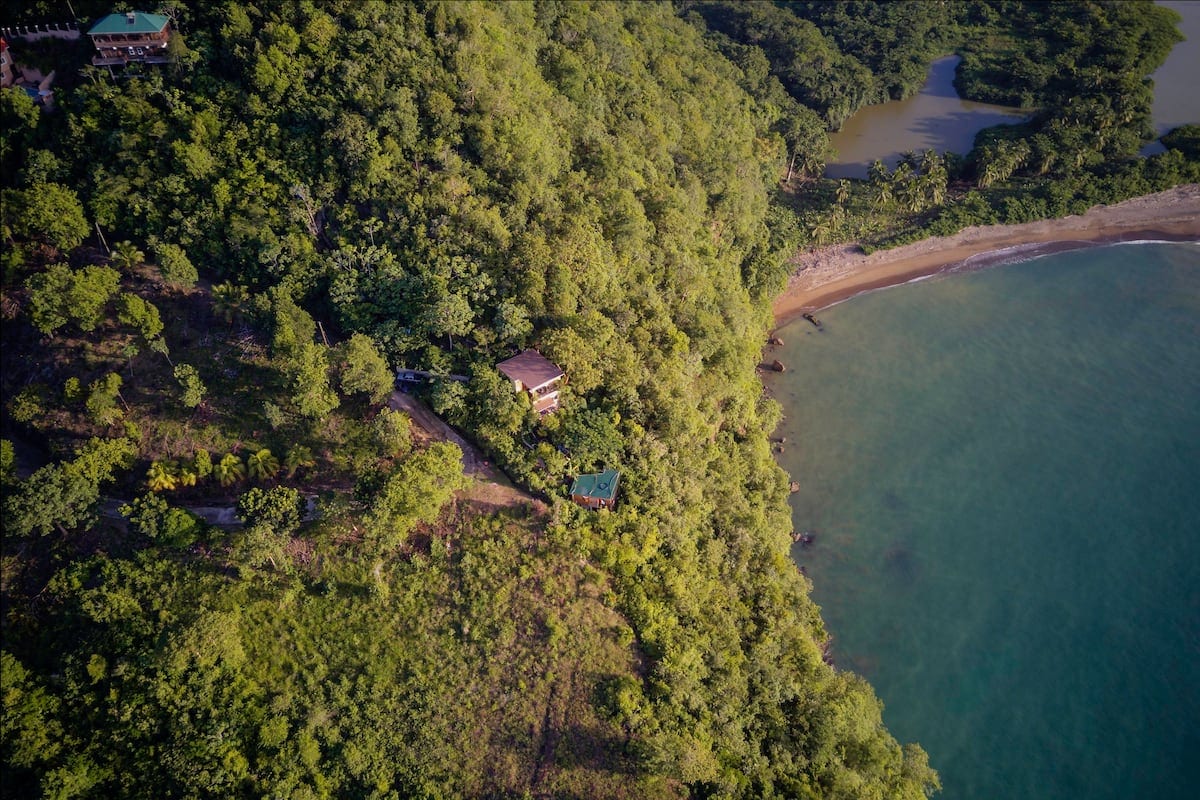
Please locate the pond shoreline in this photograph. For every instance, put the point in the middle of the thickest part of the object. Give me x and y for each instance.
(824, 276)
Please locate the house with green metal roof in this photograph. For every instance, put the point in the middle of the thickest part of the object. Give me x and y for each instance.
(131, 36)
(598, 490)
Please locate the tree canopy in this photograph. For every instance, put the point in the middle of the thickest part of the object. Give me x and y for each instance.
(332, 191)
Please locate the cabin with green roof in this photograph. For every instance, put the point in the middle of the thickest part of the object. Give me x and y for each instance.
(131, 36)
(598, 490)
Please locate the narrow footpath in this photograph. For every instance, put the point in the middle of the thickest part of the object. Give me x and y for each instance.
(491, 487)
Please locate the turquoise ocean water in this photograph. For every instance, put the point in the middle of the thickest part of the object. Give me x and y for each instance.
(1002, 468)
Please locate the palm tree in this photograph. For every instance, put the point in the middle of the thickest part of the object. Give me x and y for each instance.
(820, 230)
(126, 256)
(262, 465)
(877, 173)
(930, 161)
(229, 300)
(299, 456)
(842, 192)
(1047, 161)
(130, 351)
(162, 476)
(229, 469)
(913, 195)
(937, 182)
(989, 175)
(187, 476)
(883, 193)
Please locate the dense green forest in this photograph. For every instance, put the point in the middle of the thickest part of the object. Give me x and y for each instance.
(212, 267)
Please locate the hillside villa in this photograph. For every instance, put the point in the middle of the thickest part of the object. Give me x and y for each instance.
(537, 376)
(131, 36)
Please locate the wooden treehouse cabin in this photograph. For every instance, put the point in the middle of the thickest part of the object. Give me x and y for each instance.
(598, 490)
(132, 36)
(537, 376)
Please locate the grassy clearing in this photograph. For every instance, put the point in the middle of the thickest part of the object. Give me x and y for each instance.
(484, 643)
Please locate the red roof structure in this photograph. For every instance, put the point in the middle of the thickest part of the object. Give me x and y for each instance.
(536, 375)
(531, 370)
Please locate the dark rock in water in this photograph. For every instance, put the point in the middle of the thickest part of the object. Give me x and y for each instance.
(794, 486)
(776, 341)
(900, 561)
(777, 365)
(804, 537)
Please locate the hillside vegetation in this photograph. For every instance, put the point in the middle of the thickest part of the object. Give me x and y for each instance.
(210, 271)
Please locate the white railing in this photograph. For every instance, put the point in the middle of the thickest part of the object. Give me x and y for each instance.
(32, 33)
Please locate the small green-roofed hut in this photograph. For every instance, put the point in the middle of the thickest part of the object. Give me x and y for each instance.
(598, 490)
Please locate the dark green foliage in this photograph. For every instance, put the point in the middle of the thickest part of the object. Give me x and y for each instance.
(364, 370)
(309, 377)
(202, 463)
(192, 388)
(8, 460)
(230, 300)
(28, 405)
(293, 326)
(41, 166)
(1085, 66)
(1185, 139)
(262, 465)
(153, 517)
(271, 517)
(126, 256)
(896, 41)
(101, 403)
(62, 496)
(61, 295)
(440, 186)
(174, 265)
(808, 63)
(413, 492)
(591, 439)
(299, 456)
(19, 117)
(49, 211)
(29, 731)
(229, 470)
(392, 431)
(139, 313)
(448, 398)
(279, 507)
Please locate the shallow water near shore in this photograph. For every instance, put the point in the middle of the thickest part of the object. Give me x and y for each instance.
(1176, 101)
(1002, 468)
(935, 118)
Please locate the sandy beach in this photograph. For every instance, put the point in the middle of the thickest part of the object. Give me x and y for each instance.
(828, 275)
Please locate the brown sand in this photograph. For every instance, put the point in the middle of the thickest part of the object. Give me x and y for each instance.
(829, 275)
